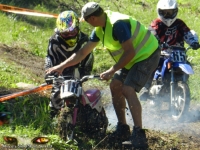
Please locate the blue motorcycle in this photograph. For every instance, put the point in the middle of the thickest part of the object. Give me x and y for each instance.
(170, 82)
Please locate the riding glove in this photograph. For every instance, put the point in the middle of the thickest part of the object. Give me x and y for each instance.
(195, 45)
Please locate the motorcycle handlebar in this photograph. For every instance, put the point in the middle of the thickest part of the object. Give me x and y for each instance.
(85, 78)
(50, 79)
(166, 46)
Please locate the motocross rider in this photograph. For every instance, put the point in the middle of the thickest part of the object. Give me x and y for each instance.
(66, 40)
(169, 30)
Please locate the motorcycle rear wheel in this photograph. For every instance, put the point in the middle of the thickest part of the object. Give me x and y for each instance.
(180, 102)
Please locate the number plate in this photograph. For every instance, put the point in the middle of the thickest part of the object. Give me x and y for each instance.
(178, 56)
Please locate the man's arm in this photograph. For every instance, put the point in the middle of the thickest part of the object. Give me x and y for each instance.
(128, 54)
(74, 59)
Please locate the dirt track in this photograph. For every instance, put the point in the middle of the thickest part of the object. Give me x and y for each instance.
(160, 122)
(23, 58)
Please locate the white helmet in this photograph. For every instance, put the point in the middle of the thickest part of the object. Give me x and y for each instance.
(167, 11)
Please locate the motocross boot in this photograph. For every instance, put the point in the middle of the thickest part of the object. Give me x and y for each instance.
(137, 140)
(122, 133)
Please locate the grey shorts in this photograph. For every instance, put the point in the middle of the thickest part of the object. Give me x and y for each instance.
(140, 72)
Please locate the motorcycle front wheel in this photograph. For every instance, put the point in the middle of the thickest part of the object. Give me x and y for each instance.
(64, 124)
(92, 122)
(180, 101)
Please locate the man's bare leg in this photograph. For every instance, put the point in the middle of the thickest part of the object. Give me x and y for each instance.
(118, 100)
(134, 105)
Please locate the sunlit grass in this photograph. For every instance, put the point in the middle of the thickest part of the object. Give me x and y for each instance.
(12, 73)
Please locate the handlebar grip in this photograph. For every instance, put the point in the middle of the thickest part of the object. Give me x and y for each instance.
(96, 76)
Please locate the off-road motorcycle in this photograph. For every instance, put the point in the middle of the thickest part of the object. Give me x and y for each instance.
(82, 109)
(170, 82)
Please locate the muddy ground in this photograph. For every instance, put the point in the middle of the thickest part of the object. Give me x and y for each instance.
(157, 122)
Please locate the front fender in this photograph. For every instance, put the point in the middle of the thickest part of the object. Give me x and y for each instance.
(184, 67)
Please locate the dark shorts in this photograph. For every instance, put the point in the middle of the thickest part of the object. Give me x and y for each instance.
(140, 72)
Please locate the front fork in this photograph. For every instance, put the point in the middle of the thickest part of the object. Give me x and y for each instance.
(74, 118)
(172, 84)
(172, 88)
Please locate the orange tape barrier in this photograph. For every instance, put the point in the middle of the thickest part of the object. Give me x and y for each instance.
(24, 11)
(25, 92)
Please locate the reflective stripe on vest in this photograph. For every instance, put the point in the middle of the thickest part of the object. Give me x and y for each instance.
(145, 39)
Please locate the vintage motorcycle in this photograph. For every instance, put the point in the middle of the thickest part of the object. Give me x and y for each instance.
(170, 82)
(82, 109)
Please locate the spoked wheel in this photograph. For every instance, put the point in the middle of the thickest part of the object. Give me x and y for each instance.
(180, 102)
(64, 124)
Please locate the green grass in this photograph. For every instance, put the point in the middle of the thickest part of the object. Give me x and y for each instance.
(11, 75)
(16, 32)
(32, 34)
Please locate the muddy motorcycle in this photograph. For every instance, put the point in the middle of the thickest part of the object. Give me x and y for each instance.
(170, 82)
(82, 109)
